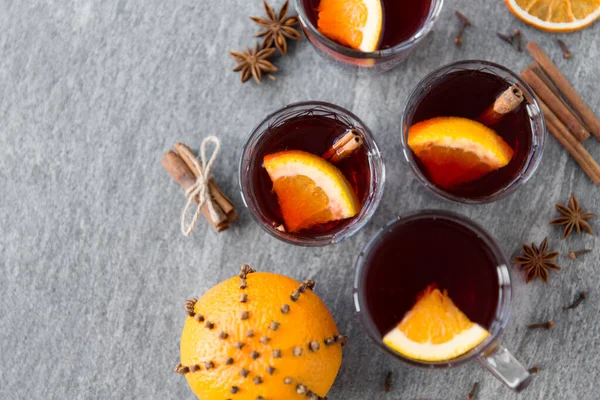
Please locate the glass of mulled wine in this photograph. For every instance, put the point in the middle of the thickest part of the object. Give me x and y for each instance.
(311, 174)
(472, 132)
(433, 289)
(368, 35)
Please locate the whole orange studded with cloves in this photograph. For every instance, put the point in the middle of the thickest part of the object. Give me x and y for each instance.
(260, 336)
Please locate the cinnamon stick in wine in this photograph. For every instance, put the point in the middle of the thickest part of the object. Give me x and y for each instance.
(576, 149)
(563, 85)
(556, 105)
(179, 171)
(344, 146)
(504, 104)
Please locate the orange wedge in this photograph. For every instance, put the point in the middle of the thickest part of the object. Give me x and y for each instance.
(457, 150)
(309, 189)
(434, 329)
(556, 15)
(353, 23)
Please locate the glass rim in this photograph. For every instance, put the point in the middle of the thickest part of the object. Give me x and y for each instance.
(423, 30)
(529, 167)
(503, 309)
(376, 184)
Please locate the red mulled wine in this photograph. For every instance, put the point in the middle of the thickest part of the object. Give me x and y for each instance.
(315, 134)
(412, 255)
(467, 93)
(401, 19)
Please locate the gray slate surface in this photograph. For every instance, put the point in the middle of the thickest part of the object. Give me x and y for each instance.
(93, 268)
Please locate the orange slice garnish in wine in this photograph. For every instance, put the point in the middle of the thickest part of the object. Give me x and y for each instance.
(435, 329)
(310, 190)
(457, 150)
(353, 23)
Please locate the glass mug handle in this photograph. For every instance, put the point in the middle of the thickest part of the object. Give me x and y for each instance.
(504, 366)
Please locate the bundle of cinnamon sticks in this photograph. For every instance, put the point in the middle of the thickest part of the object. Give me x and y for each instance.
(568, 118)
(182, 169)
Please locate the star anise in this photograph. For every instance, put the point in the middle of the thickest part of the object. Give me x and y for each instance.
(253, 63)
(537, 261)
(277, 28)
(573, 217)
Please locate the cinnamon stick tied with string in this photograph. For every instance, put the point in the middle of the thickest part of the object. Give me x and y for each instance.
(216, 194)
(184, 173)
(344, 146)
(506, 103)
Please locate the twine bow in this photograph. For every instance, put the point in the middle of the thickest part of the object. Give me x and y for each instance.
(200, 188)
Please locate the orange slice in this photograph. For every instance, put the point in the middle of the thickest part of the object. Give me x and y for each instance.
(309, 189)
(353, 23)
(556, 15)
(434, 329)
(457, 150)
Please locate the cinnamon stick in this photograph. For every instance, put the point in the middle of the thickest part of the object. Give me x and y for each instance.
(222, 200)
(576, 149)
(182, 174)
(563, 85)
(344, 146)
(504, 104)
(556, 105)
(221, 203)
(535, 67)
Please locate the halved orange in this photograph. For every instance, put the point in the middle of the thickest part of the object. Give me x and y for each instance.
(434, 329)
(309, 189)
(556, 15)
(353, 23)
(457, 150)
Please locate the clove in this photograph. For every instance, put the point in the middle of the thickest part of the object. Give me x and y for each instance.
(274, 325)
(574, 254)
(189, 306)
(464, 22)
(314, 345)
(473, 392)
(387, 383)
(245, 270)
(517, 37)
(546, 325)
(566, 52)
(506, 38)
(580, 298)
(534, 370)
(301, 389)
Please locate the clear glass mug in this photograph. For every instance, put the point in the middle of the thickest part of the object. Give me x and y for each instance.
(249, 163)
(359, 61)
(490, 353)
(536, 119)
